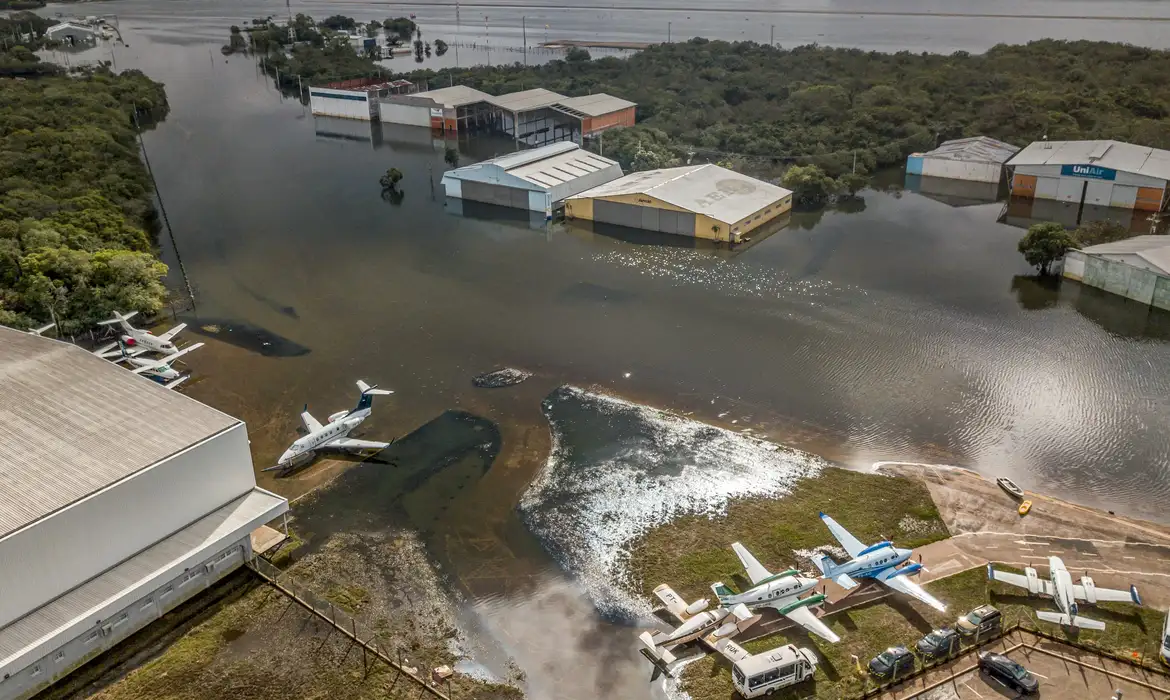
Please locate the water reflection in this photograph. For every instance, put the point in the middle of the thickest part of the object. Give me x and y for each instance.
(1022, 213)
(955, 193)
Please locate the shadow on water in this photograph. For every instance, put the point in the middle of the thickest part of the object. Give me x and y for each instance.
(1116, 314)
(246, 335)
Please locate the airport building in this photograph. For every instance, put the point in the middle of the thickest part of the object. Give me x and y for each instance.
(120, 500)
(354, 99)
(977, 159)
(704, 201)
(1137, 268)
(537, 180)
(72, 34)
(1101, 173)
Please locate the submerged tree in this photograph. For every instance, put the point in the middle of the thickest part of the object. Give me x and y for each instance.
(451, 157)
(390, 180)
(1044, 244)
(440, 47)
(809, 184)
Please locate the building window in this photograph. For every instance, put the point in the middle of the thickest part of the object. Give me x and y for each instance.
(147, 604)
(767, 211)
(36, 670)
(59, 657)
(92, 637)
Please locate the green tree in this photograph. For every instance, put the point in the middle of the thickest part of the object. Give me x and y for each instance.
(1044, 244)
(1096, 232)
(809, 184)
(403, 27)
(451, 157)
(852, 183)
(339, 23)
(372, 29)
(578, 55)
(440, 47)
(390, 180)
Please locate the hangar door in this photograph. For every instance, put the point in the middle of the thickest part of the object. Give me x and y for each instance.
(649, 218)
(495, 194)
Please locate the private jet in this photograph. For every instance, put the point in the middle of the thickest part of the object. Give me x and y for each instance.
(333, 435)
(160, 370)
(880, 562)
(1065, 593)
(138, 340)
(712, 628)
(780, 591)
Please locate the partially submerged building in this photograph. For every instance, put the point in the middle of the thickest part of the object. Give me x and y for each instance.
(705, 201)
(120, 500)
(536, 180)
(72, 33)
(354, 99)
(1103, 173)
(976, 159)
(1137, 268)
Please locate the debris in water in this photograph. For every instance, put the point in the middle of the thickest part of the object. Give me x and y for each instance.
(506, 376)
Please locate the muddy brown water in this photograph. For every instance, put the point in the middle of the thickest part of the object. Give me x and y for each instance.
(901, 329)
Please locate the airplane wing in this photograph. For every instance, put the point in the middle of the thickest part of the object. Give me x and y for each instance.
(1021, 581)
(311, 424)
(172, 332)
(806, 618)
(1109, 594)
(177, 382)
(352, 444)
(904, 585)
(168, 359)
(105, 350)
(731, 650)
(673, 601)
(850, 543)
(755, 570)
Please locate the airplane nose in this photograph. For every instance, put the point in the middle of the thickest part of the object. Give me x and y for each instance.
(288, 456)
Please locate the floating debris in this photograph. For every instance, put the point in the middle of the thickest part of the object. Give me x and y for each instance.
(507, 376)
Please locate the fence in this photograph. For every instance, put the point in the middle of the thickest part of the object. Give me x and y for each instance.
(359, 633)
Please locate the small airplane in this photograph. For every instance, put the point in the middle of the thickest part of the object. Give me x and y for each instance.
(780, 591)
(42, 329)
(1065, 593)
(880, 562)
(710, 627)
(138, 340)
(333, 434)
(160, 370)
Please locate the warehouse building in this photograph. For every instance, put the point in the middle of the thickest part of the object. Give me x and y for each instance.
(536, 180)
(355, 99)
(121, 499)
(705, 201)
(1102, 173)
(72, 34)
(453, 109)
(978, 159)
(1137, 268)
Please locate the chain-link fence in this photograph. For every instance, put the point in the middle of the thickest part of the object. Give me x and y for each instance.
(362, 638)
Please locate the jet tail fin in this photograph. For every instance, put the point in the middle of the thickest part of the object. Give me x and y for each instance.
(1065, 620)
(722, 592)
(658, 652)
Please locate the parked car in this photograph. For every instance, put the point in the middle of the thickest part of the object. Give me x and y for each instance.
(892, 663)
(1008, 672)
(938, 644)
(980, 622)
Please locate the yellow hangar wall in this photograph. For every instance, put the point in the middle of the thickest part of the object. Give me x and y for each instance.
(705, 226)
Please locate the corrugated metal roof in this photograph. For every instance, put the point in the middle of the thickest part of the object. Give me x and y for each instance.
(526, 100)
(596, 105)
(72, 423)
(509, 161)
(1158, 257)
(719, 193)
(1136, 244)
(1142, 160)
(562, 168)
(980, 149)
(455, 96)
(86, 602)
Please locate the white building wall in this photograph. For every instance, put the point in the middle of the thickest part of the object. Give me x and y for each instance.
(71, 546)
(411, 115)
(1131, 259)
(539, 201)
(340, 103)
(1074, 265)
(962, 170)
(453, 186)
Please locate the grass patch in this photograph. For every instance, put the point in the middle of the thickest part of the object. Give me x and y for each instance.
(282, 557)
(692, 552)
(868, 629)
(348, 598)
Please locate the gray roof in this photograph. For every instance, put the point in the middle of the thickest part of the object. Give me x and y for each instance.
(978, 149)
(1154, 249)
(595, 105)
(66, 26)
(72, 423)
(455, 96)
(1142, 160)
(544, 167)
(719, 193)
(526, 100)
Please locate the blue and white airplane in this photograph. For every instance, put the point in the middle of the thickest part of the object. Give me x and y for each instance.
(878, 561)
(333, 435)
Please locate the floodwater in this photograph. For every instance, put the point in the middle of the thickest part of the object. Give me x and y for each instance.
(902, 328)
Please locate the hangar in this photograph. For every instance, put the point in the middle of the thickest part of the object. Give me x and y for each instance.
(120, 500)
(1102, 173)
(978, 159)
(537, 180)
(704, 201)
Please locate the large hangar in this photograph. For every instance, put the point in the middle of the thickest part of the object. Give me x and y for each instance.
(537, 180)
(1102, 173)
(119, 501)
(704, 201)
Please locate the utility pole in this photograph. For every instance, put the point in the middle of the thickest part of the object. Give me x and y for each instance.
(772, 36)
(487, 39)
(457, 31)
(668, 32)
(855, 162)
(524, 30)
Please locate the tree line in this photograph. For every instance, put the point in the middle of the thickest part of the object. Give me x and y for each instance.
(75, 200)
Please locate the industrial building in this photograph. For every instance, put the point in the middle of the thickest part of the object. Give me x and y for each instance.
(978, 159)
(536, 180)
(1102, 173)
(705, 201)
(531, 117)
(72, 34)
(354, 99)
(120, 500)
(1137, 268)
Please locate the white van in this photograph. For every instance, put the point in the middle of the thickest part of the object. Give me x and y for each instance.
(1165, 651)
(764, 674)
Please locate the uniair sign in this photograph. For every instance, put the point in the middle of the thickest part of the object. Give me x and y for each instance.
(1092, 172)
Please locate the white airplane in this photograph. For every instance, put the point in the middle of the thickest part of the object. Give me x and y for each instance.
(780, 591)
(138, 340)
(333, 434)
(711, 627)
(1060, 586)
(160, 370)
(42, 329)
(878, 561)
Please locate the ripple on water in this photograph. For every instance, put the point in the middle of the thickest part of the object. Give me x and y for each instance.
(618, 469)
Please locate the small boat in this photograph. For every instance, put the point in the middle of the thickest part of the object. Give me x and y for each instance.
(1010, 486)
(1025, 507)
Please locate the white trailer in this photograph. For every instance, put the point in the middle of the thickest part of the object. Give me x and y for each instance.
(763, 674)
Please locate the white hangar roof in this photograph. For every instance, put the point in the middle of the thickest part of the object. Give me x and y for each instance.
(1116, 155)
(544, 167)
(980, 149)
(72, 424)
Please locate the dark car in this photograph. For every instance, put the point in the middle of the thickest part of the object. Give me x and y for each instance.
(980, 622)
(1008, 672)
(939, 643)
(892, 663)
